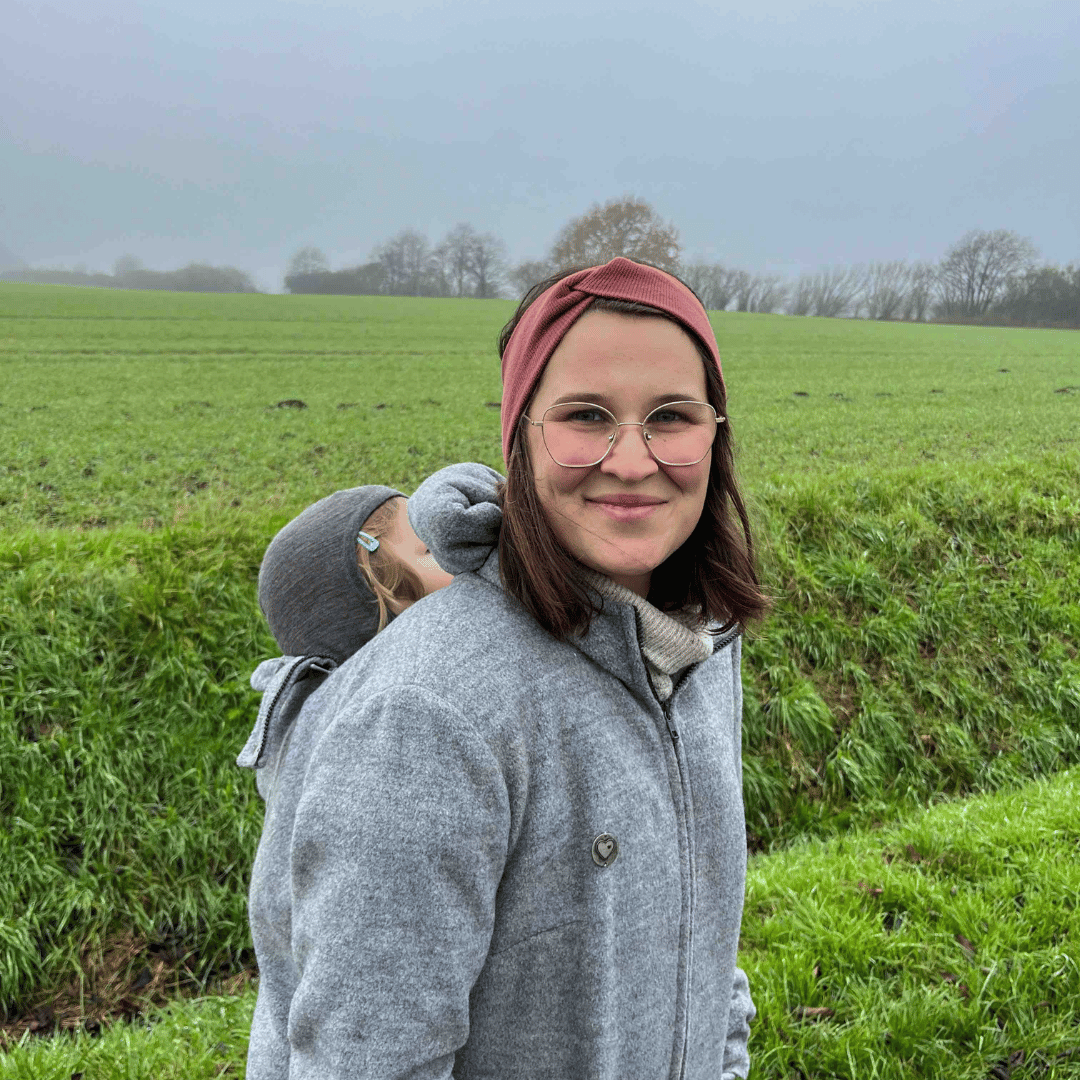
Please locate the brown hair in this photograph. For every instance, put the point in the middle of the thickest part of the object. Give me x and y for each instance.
(394, 585)
(712, 573)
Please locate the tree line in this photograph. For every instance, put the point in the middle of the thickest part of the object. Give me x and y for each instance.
(990, 277)
(129, 273)
(464, 263)
(987, 277)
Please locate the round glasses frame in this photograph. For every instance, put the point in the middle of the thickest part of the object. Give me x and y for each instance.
(646, 435)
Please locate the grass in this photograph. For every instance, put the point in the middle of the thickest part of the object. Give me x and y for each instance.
(197, 1039)
(924, 642)
(923, 547)
(124, 408)
(123, 665)
(923, 646)
(942, 947)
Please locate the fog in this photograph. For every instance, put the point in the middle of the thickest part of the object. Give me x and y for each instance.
(796, 137)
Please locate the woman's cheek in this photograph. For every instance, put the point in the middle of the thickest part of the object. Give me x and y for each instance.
(689, 478)
(555, 480)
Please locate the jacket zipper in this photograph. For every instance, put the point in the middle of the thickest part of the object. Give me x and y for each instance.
(665, 708)
(674, 734)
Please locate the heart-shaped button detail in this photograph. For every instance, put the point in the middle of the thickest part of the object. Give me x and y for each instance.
(605, 849)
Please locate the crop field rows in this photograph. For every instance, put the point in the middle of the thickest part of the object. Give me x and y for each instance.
(912, 705)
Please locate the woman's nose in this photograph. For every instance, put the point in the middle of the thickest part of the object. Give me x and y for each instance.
(629, 458)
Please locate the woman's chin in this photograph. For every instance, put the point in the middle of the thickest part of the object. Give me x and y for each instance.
(623, 566)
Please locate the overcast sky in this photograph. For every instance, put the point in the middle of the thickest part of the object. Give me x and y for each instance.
(790, 138)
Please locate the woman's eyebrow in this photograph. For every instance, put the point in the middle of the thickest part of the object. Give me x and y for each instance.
(591, 397)
(663, 399)
(582, 395)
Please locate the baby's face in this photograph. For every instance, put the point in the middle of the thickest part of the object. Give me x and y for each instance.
(413, 552)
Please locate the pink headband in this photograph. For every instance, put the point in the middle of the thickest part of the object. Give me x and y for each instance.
(552, 313)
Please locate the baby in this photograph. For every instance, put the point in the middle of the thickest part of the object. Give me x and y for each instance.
(330, 580)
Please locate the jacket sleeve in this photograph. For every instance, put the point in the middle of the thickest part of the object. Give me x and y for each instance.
(456, 513)
(399, 843)
(736, 1054)
(742, 1011)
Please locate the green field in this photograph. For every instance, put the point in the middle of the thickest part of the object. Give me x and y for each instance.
(919, 511)
(122, 407)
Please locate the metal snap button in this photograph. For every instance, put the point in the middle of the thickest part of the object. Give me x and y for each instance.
(605, 849)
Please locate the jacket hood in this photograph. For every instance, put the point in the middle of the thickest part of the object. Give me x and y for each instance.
(456, 513)
(279, 682)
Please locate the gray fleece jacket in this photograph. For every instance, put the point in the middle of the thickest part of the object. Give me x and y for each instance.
(487, 853)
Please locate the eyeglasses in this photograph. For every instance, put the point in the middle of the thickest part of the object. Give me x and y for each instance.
(579, 434)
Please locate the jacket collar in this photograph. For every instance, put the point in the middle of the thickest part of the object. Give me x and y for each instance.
(612, 640)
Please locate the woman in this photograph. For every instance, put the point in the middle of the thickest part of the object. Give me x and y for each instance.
(519, 850)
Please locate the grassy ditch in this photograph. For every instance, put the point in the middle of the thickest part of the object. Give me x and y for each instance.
(938, 948)
(924, 645)
(127, 830)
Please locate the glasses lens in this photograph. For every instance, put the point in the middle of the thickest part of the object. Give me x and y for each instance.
(577, 433)
(681, 433)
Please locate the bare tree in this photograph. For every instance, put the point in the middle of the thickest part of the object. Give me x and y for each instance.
(407, 264)
(487, 266)
(744, 288)
(307, 260)
(454, 254)
(921, 283)
(800, 299)
(714, 284)
(436, 279)
(771, 294)
(527, 274)
(473, 264)
(698, 276)
(885, 289)
(977, 269)
(628, 226)
(755, 292)
(835, 292)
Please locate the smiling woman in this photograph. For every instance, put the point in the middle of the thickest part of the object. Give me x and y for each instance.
(517, 848)
(624, 513)
(694, 549)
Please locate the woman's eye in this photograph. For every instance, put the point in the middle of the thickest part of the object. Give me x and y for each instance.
(667, 416)
(587, 416)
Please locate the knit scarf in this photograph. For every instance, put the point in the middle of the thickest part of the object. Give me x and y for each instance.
(670, 643)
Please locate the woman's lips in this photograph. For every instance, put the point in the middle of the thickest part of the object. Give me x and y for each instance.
(626, 507)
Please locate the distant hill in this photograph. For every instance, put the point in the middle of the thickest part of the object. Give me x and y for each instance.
(9, 260)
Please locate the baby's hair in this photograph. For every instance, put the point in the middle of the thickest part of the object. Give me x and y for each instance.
(394, 584)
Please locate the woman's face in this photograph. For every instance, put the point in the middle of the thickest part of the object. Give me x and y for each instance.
(412, 551)
(625, 516)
